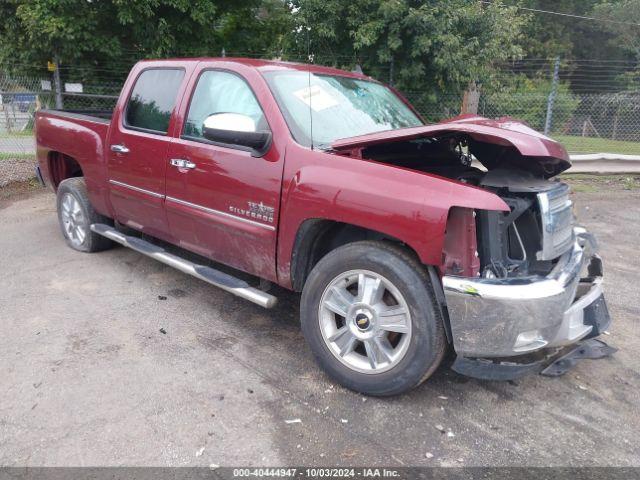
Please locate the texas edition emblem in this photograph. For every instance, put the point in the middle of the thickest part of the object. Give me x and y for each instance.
(256, 211)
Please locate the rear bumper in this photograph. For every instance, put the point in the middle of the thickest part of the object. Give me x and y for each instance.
(497, 318)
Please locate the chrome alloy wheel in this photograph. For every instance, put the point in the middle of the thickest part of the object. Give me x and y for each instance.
(73, 220)
(365, 321)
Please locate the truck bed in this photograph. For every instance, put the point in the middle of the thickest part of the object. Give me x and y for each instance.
(77, 135)
(101, 116)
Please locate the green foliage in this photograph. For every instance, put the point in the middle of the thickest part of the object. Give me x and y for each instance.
(623, 36)
(556, 35)
(548, 36)
(147, 115)
(526, 99)
(435, 47)
(107, 36)
(430, 45)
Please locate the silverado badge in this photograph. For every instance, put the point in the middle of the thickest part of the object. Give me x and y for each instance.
(257, 211)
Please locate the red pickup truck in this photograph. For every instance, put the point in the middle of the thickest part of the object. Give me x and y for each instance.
(405, 239)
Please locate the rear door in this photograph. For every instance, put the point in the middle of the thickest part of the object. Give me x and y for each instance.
(138, 147)
(224, 205)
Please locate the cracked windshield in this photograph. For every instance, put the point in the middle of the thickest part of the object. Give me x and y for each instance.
(336, 107)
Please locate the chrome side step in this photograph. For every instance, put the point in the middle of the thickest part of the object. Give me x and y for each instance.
(210, 275)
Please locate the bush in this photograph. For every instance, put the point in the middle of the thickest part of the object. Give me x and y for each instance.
(527, 100)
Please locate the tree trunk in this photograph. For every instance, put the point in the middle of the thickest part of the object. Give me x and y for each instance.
(471, 99)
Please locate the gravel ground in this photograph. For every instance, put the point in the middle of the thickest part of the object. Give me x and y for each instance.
(88, 378)
(15, 170)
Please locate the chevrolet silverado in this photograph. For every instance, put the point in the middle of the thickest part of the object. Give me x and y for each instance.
(407, 240)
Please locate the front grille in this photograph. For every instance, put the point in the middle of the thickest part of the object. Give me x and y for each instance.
(556, 216)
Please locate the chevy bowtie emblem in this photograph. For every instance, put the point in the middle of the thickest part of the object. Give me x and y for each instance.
(363, 322)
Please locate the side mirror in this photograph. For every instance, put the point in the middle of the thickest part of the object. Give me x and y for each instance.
(235, 129)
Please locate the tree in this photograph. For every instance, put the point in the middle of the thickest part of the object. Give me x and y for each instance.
(551, 35)
(526, 99)
(431, 45)
(578, 42)
(625, 36)
(103, 38)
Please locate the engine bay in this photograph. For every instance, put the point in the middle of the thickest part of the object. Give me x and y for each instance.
(523, 242)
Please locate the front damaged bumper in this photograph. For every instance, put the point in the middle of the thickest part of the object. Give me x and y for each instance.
(550, 362)
(505, 318)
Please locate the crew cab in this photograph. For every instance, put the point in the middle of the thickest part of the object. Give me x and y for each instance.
(407, 240)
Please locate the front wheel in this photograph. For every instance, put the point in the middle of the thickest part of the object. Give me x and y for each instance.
(369, 313)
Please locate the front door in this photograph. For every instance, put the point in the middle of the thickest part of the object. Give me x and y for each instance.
(138, 147)
(222, 201)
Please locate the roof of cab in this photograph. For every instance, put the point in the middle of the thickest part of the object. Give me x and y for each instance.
(265, 65)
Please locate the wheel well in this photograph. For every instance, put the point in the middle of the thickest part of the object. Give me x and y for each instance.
(63, 166)
(317, 237)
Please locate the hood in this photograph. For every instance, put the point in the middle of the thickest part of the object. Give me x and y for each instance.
(495, 143)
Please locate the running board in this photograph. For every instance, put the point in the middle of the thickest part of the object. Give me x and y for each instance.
(210, 275)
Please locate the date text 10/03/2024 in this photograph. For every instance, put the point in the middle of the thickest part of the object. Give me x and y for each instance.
(317, 472)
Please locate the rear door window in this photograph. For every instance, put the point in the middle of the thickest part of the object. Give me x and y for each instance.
(152, 100)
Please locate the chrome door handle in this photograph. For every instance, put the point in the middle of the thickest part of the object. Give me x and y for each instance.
(182, 163)
(119, 149)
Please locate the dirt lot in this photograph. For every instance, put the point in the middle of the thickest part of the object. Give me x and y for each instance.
(14, 170)
(89, 379)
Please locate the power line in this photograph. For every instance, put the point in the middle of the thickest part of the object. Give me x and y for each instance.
(571, 15)
(591, 63)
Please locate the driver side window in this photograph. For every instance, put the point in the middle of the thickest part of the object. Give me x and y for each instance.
(221, 92)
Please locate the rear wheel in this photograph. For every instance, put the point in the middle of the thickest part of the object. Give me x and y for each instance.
(369, 314)
(76, 215)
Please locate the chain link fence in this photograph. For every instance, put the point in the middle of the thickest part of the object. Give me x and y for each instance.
(584, 123)
(21, 97)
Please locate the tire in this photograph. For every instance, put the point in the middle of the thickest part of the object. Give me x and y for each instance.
(379, 362)
(75, 215)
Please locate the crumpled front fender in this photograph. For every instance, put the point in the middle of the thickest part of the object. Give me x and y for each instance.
(405, 205)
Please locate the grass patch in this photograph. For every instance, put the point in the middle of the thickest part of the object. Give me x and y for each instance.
(17, 156)
(583, 188)
(597, 145)
(23, 134)
(589, 183)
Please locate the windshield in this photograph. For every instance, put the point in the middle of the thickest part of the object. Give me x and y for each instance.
(337, 107)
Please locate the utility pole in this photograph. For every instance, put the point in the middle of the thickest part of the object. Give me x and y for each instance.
(552, 96)
(57, 84)
(391, 72)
